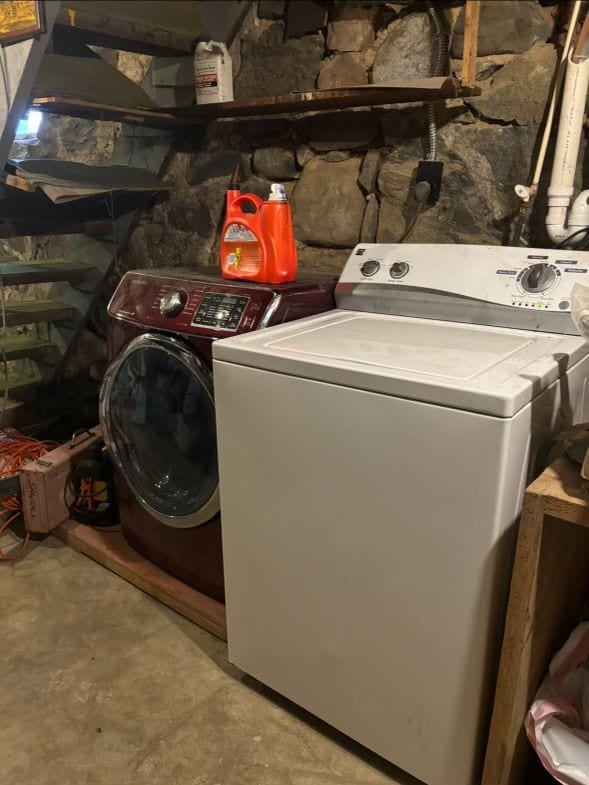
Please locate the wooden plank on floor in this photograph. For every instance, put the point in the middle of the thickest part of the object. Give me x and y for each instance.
(112, 551)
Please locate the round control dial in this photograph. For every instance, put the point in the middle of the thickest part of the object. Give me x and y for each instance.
(538, 278)
(172, 303)
(370, 267)
(399, 269)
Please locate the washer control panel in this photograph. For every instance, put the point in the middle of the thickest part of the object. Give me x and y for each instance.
(516, 277)
(220, 311)
(527, 288)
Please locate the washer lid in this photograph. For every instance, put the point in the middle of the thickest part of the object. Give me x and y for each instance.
(491, 370)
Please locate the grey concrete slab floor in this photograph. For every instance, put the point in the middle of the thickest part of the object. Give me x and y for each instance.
(102, 685)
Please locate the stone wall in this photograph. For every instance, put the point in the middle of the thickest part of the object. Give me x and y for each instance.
(350, 174)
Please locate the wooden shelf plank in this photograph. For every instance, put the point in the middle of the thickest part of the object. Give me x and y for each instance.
(31, 228)
(31, 311)
(20, 384)
(23, 213)
(19, 347)
(318, 100)
(94, 25)
(43, 271)
(89, 110)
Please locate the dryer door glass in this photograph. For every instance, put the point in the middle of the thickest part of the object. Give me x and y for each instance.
(161, 423)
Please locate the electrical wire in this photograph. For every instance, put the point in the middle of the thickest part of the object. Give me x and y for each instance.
(422, 192)
(440, 59)
(584, 230)
(15, 451)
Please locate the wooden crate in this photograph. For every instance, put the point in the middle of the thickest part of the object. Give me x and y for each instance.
(549, 586)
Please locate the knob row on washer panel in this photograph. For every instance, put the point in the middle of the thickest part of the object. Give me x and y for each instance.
(397, 270)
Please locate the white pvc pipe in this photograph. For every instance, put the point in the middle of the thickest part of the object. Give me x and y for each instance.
(560, 72)
(570, 127)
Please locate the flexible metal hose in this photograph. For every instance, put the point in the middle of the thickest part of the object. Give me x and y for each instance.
(441, 57)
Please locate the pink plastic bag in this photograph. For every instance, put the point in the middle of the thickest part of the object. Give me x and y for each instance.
(557, 723)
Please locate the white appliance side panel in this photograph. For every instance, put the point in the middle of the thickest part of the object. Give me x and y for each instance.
(366, 543)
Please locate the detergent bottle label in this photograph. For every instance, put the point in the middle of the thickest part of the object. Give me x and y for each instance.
(236, 233)
(242, 249)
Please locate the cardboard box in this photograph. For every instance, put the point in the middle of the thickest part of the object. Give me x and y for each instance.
(43, 483)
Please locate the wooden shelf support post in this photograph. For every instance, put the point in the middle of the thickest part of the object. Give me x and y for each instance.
(472, 13)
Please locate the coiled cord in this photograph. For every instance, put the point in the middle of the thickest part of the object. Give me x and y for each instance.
(15, 451)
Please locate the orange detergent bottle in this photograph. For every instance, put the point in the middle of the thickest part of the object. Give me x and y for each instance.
(258, 239)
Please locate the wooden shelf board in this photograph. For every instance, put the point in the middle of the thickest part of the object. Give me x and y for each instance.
(99, 24)
(112, 551)
(19, 384)
(24, 213)
(321, 100)
(318, 100)
(35, 227)
(89, 110)
(43, 271)
(32, 311)
(19, 347)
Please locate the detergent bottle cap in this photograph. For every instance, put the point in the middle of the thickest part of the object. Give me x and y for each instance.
(277, 193)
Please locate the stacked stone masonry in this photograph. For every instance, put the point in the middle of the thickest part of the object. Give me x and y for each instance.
(350, 174)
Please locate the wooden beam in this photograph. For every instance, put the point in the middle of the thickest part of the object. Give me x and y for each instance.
(472, 13)
(112, 551)
(19, 64)
(100, 29)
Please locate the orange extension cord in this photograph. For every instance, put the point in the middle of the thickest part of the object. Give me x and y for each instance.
(15, 451)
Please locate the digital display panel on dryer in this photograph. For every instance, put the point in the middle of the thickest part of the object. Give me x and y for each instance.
(220, 311)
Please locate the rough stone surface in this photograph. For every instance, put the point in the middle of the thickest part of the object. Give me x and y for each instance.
(342, 70)
(477, 199)
(276, 163)
(217, 168)
(334, 156)
(271, 66)
(508, 26)
(370, 222)
(258, 186)
(89, 349)
(328, 205)
(335, 131)
(304, 17)
(259, 132)
(88, 661)
(304, 155)
(369, 171)
(406, 53)
(323, 259)
(351, 27)
(189, 210)
(520, 89)
(271, 9)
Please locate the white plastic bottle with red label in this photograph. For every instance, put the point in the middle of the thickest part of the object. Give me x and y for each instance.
(213, 73)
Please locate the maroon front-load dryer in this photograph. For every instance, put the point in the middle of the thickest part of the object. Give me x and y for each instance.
(157, 405)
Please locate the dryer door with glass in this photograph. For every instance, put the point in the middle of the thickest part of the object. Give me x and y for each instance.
(158, 418)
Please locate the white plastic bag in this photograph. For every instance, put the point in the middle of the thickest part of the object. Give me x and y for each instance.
(580, 308)
(557, 723)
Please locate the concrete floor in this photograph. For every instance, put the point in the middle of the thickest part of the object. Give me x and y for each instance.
(102, 685)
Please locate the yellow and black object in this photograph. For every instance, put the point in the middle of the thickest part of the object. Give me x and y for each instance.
(90, 486)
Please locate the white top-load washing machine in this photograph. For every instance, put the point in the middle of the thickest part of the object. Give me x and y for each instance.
(372, 465)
